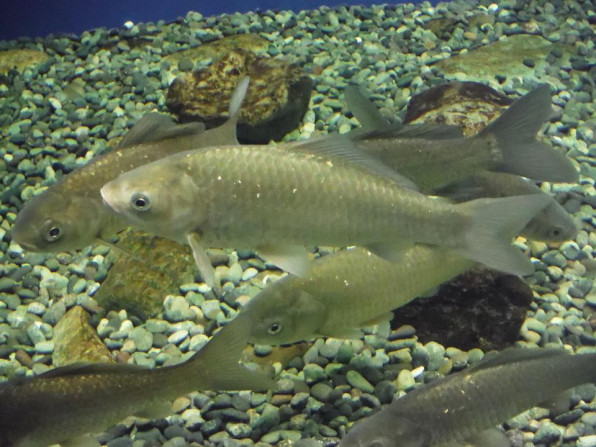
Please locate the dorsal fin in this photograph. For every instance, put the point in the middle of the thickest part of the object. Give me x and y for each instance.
(155, 127)
(341, 147)
(363, 109)
(512, 355)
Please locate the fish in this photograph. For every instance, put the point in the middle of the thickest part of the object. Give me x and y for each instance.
(278, 199)
(345, 291)
(71, 215)
(467, 405)
(434, 156)
(551, 224)
(69, 403)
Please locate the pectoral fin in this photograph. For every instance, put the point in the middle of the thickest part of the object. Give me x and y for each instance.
(202, 260)
(390, 251)
(81, 441)
(492, 437)
(157, 410)
(346, 333)
(293, 259)
(378, 320)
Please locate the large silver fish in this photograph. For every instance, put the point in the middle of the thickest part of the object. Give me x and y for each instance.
(453, 410)
(552, 224)
(278, 199)
(71, 215)
(345, 291)
(435, 156)
(440, 161)
(68, 403)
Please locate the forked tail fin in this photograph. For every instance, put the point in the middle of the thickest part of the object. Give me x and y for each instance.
(515, 132)
(493, 223)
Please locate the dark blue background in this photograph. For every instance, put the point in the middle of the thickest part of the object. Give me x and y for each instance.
(33, 18)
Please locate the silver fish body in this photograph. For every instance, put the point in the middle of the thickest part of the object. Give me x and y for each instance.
(255, 196)
(66, 403)
(344, 291)
(71, 215)
(434, 156)
(552, 224)
(454, 409)
(433, 163)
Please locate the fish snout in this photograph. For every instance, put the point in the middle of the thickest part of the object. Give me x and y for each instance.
(113, 197)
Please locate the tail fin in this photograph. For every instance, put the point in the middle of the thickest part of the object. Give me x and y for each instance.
(217, 366)
(515, 131)
(493, 223)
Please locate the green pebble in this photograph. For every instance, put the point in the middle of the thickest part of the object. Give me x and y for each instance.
(405, 380)
(313, 373)
(436, 353)
(355, 379)
(344, 353)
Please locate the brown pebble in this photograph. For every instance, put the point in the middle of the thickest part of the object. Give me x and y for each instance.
(24, 359)
(281, 399)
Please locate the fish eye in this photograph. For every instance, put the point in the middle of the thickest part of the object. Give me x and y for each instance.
(140, 202)
(274, 328)
(52, 232)
(556, 232)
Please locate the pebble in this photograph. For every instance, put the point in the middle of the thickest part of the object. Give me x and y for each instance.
(355, 379)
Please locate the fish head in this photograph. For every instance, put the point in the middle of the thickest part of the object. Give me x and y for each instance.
(157, 198)
(53, 222)
(281, 315)
(384, 429)
(552, 224)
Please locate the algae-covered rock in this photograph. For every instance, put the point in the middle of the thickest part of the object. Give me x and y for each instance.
(20, 59)
(75, 340)
(504, 57)
(147, 269)
(219, 48)
(481, 308)
(276, 101)
(469, 105)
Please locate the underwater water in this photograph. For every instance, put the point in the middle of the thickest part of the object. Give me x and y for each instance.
(137, 299)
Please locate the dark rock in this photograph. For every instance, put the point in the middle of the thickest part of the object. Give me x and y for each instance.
(277, 98)
(148, 268)
(453, 103)
(481, 308)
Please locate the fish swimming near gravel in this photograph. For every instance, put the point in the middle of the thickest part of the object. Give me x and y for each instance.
(69, 403)
(345, 291)
(71, 215)
(434, 156)
(551, 224)
(466, 406)
(278, 199)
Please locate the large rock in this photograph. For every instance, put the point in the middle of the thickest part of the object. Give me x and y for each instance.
(75, 340)
(20, 59)
(516, 55)
(468, 105)
(217, 49)
(277, 98)
(148, 269)
(481, 308)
